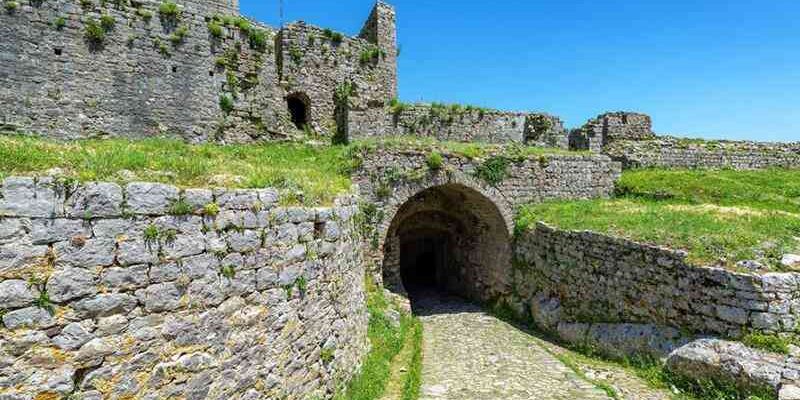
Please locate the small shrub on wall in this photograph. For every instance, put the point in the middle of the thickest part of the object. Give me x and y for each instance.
(434, 161)
(60, 23)
(11, 6)
(215, 29)
(169, 10)
(107, 22)
(226, 104)
(493, 170)
(258, 40)
(94, 32)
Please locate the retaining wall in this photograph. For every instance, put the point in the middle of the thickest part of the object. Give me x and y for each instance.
(106, 294)
(565, 277)
(670, 152)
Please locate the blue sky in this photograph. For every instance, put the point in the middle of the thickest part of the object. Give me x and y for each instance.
(708, 68)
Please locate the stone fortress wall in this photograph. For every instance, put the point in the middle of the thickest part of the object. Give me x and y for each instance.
(152, 292)
(531, 178)
(165, 74)
(629, 138)
(155, 73)
(455, 123)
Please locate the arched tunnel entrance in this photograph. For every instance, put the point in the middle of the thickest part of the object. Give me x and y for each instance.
(449, 239)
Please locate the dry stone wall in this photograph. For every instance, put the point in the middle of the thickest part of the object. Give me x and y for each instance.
(107, 294)
(628, 138)
(454, 123)
(165, 74)
(534, 178)
(670, 152)
(566, 277)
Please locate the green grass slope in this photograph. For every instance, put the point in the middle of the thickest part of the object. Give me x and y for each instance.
(719, 217)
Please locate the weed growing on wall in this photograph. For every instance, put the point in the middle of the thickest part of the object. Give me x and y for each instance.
(296, 55)
(144, 14)
(397, 107)
(334, 37)
(214, 28)
(258, 40)
(371, 56)
(180, 207)
(179, 36)
(107, 22)
(434, 161)
(228, 271)
(211, 209)
(10, 6)
(169, 10)
(493, 170)
(94, 32)
(59, 23)
(225, 104)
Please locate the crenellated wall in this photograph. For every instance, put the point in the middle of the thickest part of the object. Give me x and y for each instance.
(149, 291)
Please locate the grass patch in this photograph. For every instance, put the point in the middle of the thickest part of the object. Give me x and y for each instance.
(413, 378)
(386, 342)
(717, 216)
(774, 189)
(464, 149)
(318, 172)
(773, 343)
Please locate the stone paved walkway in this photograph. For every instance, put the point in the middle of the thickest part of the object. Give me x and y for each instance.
(470, 355)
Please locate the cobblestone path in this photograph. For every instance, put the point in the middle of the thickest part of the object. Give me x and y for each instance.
(470, 355)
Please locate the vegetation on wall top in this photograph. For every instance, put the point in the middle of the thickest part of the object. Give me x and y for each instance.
(719, 217)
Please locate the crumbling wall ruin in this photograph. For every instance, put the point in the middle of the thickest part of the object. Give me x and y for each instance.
(76, 69)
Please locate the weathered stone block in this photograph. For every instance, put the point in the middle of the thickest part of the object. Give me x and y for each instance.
(198, 198)
(244, 241)
(88, 253)
(150, 198)
(30, 197)
(136, 251)
(238, 199)
(30, 317)
(95, 200)
(72, 337)
(160, 297)
(71, 283)
(16, 293)
(104, 305)
(48, 231)
(129, 278)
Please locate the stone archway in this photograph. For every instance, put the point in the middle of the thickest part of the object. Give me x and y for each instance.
(452, 236)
